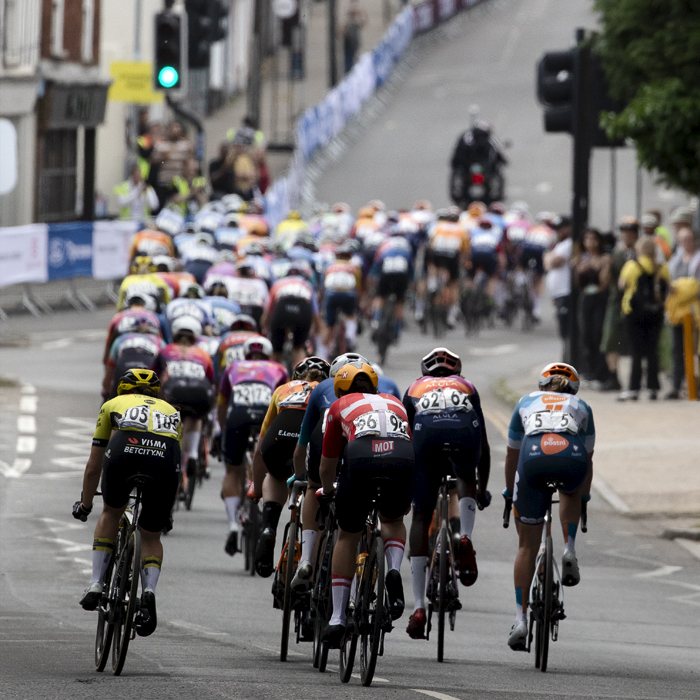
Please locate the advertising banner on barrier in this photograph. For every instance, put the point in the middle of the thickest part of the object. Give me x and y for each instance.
(110, 248)
(70, 250)
(23, 254)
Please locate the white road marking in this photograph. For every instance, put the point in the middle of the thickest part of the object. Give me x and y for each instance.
(434, 694)
(55, 475)
(67, 546)
(275, 650)
(28, 389)
(499, 421)
(609, 495)
(57, 344)
(26, 424)
(506, 349)
(18, 467)
(665, 570)
(690, 545)
(375, 679)
(60, 525)
(199, 629)
(26, 444)
(27, 404)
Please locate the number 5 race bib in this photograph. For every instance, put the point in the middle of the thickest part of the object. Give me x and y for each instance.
(550, 422)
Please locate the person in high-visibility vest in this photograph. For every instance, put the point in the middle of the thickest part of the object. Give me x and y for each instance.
(247, 135)
(136, 199)
(188, 190)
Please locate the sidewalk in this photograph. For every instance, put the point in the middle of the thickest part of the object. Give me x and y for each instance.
(647, 453)
(306, 93)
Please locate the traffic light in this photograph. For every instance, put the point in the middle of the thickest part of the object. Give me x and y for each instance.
(556, 89)
(168, 63)
(206, 25)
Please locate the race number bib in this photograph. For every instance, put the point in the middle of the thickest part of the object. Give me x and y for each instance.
(340, 281)
(447, 245)
(166, 422)
(395, 264)
(298, 291)
(257, 394)
(186, 368)
(142, 343)
(295, 400)
(135, 417)
(441, 399)
(550, 422)
(381, 423)
(234, 354)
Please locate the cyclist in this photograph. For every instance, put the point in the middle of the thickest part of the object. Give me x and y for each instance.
(537, 241)
(231, 346)
(245, 392)
(199, 255)
(448, 249)
(187, 377)
(192, 303)
(136, 433)
(143, 280)
(249, 291)
(273, 455)
(288, 229)
(293, 306)
(378, 444)
(551, 437)
(445, 409)
(485, 239)
(307, 459)
(151, 243)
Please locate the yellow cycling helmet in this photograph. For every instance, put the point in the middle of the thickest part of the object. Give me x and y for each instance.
(143, 380)
(294, 215)
(141, 265)
(347, 373)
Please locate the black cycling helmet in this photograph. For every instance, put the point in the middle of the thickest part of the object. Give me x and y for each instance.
(312, 363)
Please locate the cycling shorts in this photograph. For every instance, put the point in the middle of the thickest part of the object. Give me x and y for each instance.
(280, 441)
(255, 311)
(536, 254)
(240, 422)
(198, 269)
(538, 463)
(294, 314)
(194, 398)
(339, 301)
(393, 283)
(462, 431)
(313, 453)
(130, 452)
(445, 262)
(366, 458)
(486, 260)
(129, 360)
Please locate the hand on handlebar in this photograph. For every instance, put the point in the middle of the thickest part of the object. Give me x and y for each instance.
(324, 502)
(80, 512)
(508, 497)
(215, 449)
(483, 500)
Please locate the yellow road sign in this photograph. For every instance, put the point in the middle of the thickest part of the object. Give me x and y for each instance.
(133, 82)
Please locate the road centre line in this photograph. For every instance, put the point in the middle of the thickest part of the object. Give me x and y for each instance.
(434, 694)
(26, 444)
(499, 421)
(26, 424)
(27, 403)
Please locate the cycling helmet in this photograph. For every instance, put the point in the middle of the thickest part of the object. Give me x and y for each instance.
(440, 362)
(340, 208)
(347, 248)
(294, 215)
(243, 322)
(476, 209)
(422, 205)
(141, 380)
(497, 208)
(442, 214)
(213, 283)
(226, 256)
(163, 261)
(377, 205)
(311, 363)
(186, 324)
(232, 202)
(254, 248)
(141, 265)
(344, 360)
(257, 345)
(204, 238)
(245, 264)
(392, 217)
(192, 288)
(559, 369)
(170, 221)
(306, 240)
(346, 375)
(208, 223)
(231, 219)
(365, 213)
(377, 368)
(136, 297)
(452, 213)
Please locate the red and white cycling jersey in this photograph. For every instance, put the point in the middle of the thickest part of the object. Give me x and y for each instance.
(364, 415)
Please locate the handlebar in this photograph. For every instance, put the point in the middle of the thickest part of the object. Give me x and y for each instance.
(584, 516)
(506, 511)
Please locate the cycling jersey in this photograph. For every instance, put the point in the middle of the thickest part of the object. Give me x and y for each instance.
(292, 306)
(248, 292)
(179, 362)
(220, 272)
(151, 243)
(199, 252)
(230, 348)
(224, 311)
(485, 240)
(227, 238)
(550, 414)
(287, 231)
(149, 285)
(394, 256)
(292, 288)
(129, 321)
(133, 347)
(539, 237)
(292, 395)
(447, 238)
(265, 374)
(176, 281)
(140, 414)
(364, 228)
(199, 309)
(319, 402)
(342, 276)
(210, 345)
(388, 386)
(254, 224)
(354, 416)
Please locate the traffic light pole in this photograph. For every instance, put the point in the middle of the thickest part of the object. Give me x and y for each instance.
(191, 117)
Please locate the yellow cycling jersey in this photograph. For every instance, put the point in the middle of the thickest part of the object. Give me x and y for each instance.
(139, 413)
(151, 284)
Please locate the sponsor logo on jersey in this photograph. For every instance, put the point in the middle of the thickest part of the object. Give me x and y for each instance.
(154, 443)
(382, 446)
(553, 443)
(133, 441)
(286, 433)
(147, 451)
(554, 398)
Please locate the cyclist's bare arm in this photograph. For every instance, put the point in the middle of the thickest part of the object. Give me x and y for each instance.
(300, 461)
(512, 456)
(327, 471)
(91, 477)
(221, 414)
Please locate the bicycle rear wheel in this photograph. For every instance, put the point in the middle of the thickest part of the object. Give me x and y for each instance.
(547, 601)
(322, 597)
(191, 484)
(287, 600)
(347, 656)
(125, 603)
(105, 625)
(442, 593)
(371, 610)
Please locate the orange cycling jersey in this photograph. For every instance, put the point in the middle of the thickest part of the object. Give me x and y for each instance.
(254, 224)
(148, 242)
(448, 238)
(342, 276)
(176, 280)
(294, 394)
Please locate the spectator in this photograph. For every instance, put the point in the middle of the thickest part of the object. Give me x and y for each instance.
(259, 156)
(136, 198)
(592, 270)
(248, 134)
(644, 283)
(681, 218)
(684, 264)
(171, 153)
(246, 177)
(615, 341)
(145, 145)
(351, 33)
(557, 264)
(650, 224)
(221, 172)
(188, 191)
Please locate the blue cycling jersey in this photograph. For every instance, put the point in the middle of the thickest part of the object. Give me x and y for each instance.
(388, 386)
(320, 400)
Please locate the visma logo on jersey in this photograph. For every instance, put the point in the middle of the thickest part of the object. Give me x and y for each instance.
(553, 444)
(382, 446)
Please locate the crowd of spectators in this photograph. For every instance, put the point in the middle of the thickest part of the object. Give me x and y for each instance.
(634, 292)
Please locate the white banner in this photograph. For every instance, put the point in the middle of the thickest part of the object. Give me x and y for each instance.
(23, 254)
(110, 248)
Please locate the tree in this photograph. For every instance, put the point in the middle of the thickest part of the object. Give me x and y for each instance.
(651, 54)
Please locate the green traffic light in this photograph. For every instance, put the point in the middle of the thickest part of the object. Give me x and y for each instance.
(168, 77)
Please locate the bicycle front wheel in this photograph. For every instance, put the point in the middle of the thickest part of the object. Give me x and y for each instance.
(287, 600)
(442, 593)
(371, 610)
(547, 603)
(126, 600)
(105, 623)
(191, 484)
(347, 656)
(322, 599)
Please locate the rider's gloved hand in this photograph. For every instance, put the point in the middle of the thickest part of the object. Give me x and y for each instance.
(324, 501)
(80, 512)
(508, 496)
(292, 479)
(483, 500)
(215, 449)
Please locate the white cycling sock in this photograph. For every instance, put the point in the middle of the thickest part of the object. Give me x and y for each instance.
(519, 608)
(150, 571)
(341, 593)
(102, 552)
(232, 504)
(393, 549)
(308, 540)
(419, 572)
(467, 515)
(191, 444)
(350, 330)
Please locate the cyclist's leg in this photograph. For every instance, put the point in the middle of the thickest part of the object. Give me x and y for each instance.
(310, 508)
(235, 442)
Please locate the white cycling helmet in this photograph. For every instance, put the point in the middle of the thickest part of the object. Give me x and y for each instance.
(186, 324)
(170, 221)
(188, 287)
(440, 362)
(147, 301)
(559, 369)
(345, 359)
(259, 345)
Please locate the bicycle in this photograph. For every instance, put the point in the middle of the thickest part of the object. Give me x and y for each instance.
(249, 513)
(437, 303)
(443, 589)
(120, 599)
(196, 475)
(385, 333)
(368, 619)
(282, 583)
(546, 594)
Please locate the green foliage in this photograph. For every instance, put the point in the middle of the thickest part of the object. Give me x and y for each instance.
(651, 54)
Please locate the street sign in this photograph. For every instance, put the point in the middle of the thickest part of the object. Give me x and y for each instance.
(133, 82)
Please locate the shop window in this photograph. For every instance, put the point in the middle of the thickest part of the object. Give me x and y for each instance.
(58, 175)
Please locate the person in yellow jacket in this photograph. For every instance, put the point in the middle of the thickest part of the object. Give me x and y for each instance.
(188, 191)
(149, 283)
(136, 198)
(288, 230)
